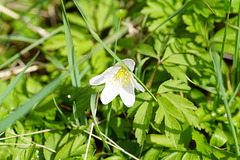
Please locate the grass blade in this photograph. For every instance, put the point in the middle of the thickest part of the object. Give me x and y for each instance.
(28, 48)
(25, 108)
(75, 114)
(234, 94)
(73, 67)
(18, 38)
(59, 110)
(225, 33)
(11, 86)
(235, 71)
(222, 91)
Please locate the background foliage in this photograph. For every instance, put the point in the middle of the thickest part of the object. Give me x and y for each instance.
(187, 57)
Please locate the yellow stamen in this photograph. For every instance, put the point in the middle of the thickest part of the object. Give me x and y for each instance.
(122, 78)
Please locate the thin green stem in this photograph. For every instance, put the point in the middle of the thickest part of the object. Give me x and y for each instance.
(235, 76)
(222, 90)
(225, 34)
(109, 50)
(108, 118)
(234, 94)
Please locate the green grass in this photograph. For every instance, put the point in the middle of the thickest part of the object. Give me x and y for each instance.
(190, 107)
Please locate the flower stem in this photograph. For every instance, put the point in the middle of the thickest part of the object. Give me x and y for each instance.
(149, 83)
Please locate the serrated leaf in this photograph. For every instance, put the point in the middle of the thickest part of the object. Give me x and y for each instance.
(176, 71)
(70, 136)
(140, 98)
(161, 10)
(196, 24)
(169, 108)
(27, 154)
(173, 85)
(183, 59)
(207, 8)
(185, 106)
(179, 101)
(141, 121)
(172, 129)
(52, 142)
(73, 147)
(147, 50)
(191, 117)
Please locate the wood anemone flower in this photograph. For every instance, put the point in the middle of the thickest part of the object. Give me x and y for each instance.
(118, 81)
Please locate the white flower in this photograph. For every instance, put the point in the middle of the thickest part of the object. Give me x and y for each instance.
(118, 81)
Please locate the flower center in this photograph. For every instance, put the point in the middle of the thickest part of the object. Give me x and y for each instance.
(122, 78)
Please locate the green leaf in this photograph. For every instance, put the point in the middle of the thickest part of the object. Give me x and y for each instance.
(52, 141)
(28, 153)
(141, 121)
(163, 11)
(172, 129)
(159, 140)
(73, 147)
(207, 7)
(25, 108)
(33, 86)
(176, 71)
(115, 158)
(219, 138)
(202, 145)
(147, 50)
(168, 108)
(70, 136)
(181, 59)
(185, 106)
(196, 24)
(173, 85)
(119, 126)
(140, 99)
(174, 156)
(179, 101)
(192, 156)
(223, 154)
(160, 113)
(5, 152)
(153, 153)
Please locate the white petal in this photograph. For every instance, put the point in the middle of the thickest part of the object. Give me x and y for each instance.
(127, 94)
(109, 93)
(128, 62)
(136, 84)
(103, 77)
